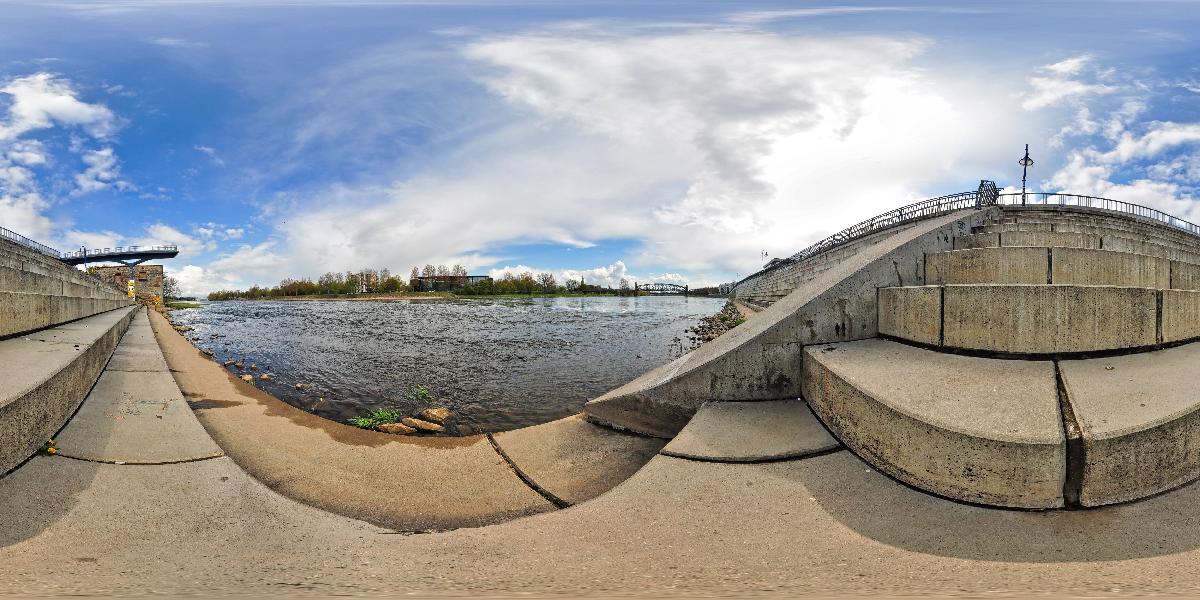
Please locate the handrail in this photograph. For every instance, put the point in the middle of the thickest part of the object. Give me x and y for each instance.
(1120, 206)
(120, 250)
(986, 195)
(893, 218)
(28, 243)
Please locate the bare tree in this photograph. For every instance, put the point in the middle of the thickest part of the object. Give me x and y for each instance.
(546, 280)
(429, 271)
(170, 288)
(458, 271)
(442, 271)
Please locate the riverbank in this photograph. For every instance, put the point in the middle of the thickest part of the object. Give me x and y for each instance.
(438, 296)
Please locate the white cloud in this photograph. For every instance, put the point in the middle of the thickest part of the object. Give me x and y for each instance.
(35, 104)
(41, 100)
(709, 147)
(173, 42)
(160, 234)
(102, 172)
(1062, 83)
(211, 153)
(234, 233)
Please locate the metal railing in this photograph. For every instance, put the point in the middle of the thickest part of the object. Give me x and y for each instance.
(986, 195)
(119, 250)
(28, 243)
(1118, 206)
(893, 218)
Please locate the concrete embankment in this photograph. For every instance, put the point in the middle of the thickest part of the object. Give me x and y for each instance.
(403, 483)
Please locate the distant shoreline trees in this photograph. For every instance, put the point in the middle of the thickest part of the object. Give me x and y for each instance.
(381, 281)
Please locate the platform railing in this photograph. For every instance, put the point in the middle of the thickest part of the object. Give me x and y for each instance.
(120, 250)
(1118, 206)
(28, 243)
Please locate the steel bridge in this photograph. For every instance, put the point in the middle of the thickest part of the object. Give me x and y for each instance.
(128, 256)
(661, 288)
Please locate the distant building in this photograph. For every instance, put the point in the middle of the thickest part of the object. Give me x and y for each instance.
(445, 283)
(148, 279)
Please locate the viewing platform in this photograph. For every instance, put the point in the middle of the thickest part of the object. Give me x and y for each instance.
(127, 255)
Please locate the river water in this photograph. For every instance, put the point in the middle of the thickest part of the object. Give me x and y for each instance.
(497, 364)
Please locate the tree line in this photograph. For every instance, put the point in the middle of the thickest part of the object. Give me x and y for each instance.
(450, 279)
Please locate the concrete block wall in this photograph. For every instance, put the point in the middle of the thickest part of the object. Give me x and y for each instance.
(38, 291)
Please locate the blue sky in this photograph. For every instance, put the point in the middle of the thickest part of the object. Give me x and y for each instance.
(664, 141)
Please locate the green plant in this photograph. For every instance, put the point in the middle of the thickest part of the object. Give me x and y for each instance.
(363, 422)
(383, 415)
(420, 394)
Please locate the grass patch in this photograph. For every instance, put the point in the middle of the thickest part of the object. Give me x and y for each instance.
(184, 305)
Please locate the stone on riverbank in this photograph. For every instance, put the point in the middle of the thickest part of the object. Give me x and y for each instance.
(301, 386)
(437, 415)
(238, 365)
(422, 425)
(208, 352)
(265, 377)
(229, 362)
(248, 378)
(396, 428)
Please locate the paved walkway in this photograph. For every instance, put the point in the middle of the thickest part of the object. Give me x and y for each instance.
(814, 525)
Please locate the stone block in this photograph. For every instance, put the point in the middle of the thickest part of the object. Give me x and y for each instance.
(987, 265)
(1180, 315)
(1047, 319)
(1050, 240)
(976, 240)
(1080, 266)
(973, 429)
(911, 313)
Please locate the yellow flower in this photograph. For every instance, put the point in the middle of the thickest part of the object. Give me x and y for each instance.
(51, 450)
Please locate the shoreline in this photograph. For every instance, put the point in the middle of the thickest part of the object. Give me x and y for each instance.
(436, 296)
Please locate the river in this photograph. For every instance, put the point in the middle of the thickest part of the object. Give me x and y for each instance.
(497, 364)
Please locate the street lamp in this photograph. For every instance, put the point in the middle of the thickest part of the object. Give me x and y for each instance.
(1024, 162)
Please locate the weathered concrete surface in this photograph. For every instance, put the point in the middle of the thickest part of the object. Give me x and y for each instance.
(1047, 319)
(136, 416)
(977, 240)
(760, 359)
(401, 482)
(752, 431)
(975, 429)
(823, 526)
(23, 313)
(1080, 266)
(1180, 315)
(988, 265)
(1185, 276)
(575, 460)
(1002, 227)
(1051, 240)
(47, 375)
(912, 313)
(1140, 419)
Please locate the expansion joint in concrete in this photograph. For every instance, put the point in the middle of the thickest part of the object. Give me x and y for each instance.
(1076, 456)
(525, 478)
(143, 463)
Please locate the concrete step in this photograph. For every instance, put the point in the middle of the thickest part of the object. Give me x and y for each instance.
(751, 432)
(1139, 417)
(974, 429)
(136, 414)
(574, 460)
(1033, 265)
(1026, 238)
(23, 313)
(46, 376)
(1038, 319)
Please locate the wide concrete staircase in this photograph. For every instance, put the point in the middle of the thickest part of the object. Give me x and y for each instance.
(1045, 362)
(58, 329)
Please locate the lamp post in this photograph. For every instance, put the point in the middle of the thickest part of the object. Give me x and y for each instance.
(1024, 162)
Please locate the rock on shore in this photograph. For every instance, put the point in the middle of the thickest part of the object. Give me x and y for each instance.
(422, 425)
(436, 415)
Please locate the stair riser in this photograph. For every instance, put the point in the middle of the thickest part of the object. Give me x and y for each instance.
(941, 460)
(1075, 266)
(1016, 319)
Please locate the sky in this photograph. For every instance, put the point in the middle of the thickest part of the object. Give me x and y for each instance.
(648, 140)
